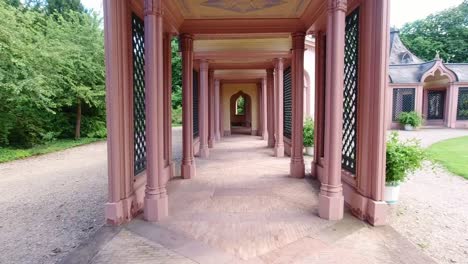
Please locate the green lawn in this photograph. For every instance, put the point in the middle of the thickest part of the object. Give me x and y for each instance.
(453, 154)
(9, 154)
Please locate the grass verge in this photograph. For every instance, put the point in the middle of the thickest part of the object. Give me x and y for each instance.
(10, 154)
(453, 154)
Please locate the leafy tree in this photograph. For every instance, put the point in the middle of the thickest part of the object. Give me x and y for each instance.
(176, 75)
(55, 6)
(445, 32)
(15, 3)
(51, 76)
(76, 47)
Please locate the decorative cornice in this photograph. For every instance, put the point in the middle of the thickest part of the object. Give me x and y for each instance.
(337, 5)
(153, 8)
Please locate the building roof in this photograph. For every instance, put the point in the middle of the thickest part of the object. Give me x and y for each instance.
(399, 53)
(409, 73)
(405, 67)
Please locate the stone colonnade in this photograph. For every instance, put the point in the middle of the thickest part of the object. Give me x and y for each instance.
(360, 188)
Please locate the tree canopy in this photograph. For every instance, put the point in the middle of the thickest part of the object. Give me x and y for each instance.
(51, 75)
(445, 32)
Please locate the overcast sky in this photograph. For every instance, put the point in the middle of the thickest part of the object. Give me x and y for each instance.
(402, 11)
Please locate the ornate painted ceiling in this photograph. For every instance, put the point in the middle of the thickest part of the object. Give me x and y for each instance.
(210, 9)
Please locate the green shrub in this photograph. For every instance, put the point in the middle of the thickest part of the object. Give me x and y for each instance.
(308, 133)
(177, 116)
(402, 158)
(410, 118)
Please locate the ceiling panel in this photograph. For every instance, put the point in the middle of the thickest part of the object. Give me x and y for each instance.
(211, 9)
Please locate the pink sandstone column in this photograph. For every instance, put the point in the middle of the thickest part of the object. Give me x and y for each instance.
(221, 110)
(259, 110)
(297, 67)
(168, 105)
(264, 110)
(279, 140)
(319, 117)
(156, 202)
(372, 140)
(307, 100)
(217, 111)
(270, 107)
(331, 200)
(204, 128)
(119, 112)
(188, 161)
(211, 110)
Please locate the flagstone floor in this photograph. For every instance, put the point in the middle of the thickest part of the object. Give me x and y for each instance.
(243, 208)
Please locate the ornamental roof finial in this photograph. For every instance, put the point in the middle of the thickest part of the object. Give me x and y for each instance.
(437, 56)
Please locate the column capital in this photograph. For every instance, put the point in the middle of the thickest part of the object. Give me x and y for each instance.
(204, 64)
(153, 7)
(186, 42)
(337, 5)
(279, 63)
(298, 40)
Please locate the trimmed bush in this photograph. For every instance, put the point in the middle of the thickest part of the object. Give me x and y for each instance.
(403, 157)
(308, 133)
(410, 118)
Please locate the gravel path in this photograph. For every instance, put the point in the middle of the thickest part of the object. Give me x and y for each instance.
(433, 208)
(52, 203)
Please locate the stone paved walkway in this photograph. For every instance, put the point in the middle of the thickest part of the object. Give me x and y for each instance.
(242, 208)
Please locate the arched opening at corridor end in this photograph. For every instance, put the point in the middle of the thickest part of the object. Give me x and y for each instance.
(241, 113)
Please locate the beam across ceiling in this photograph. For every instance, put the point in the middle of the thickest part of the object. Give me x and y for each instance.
(242, 26)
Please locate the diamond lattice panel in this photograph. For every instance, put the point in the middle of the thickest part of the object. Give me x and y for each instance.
(350, 92)
(462, 111)
(403, 101)
(196, 97)
(139, 109)
(287, 104)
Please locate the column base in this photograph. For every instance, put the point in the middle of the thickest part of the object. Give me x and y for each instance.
(271, 143)
(364, 208)
(297, 169)
(218, 137)
(188, 171)
(279, 151)
(377, 213)
(156, 208)
(114, 213)
(331, 208)
(211, 142)
(204, 152)
(173, 169)
(264, 136)
(313, 170)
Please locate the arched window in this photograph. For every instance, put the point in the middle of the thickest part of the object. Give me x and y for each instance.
(240, 105)
(405, 57)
